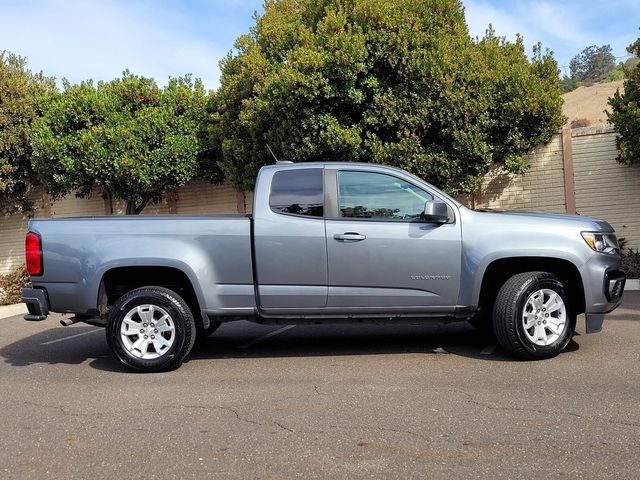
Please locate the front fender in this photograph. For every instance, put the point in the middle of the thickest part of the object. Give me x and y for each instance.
(476, 267)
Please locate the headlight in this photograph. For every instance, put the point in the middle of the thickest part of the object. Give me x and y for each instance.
(602, 242)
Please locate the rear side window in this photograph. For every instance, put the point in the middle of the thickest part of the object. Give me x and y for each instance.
(298, 192)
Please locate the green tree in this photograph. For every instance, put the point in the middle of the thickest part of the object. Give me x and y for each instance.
(389, 81)
(592, 64)
(22, 97)
(569, 84)
(625, 112)
(128, 138)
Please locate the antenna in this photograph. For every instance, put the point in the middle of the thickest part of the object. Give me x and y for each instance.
(271, 151)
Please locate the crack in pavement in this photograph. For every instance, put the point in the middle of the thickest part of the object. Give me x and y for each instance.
(282, 426)
(253, 422)
(488, 406)
(62, 409)
(235, 412)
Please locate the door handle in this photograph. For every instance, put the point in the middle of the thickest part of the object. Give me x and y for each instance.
(349, 237)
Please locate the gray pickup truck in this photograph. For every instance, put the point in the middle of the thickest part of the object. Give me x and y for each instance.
(327, 242)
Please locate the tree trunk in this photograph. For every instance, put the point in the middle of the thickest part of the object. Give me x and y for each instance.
(133, 209)
(108, 203)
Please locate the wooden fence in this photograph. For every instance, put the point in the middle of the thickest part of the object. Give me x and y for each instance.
(576, 172)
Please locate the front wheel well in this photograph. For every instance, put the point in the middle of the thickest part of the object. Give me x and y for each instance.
(499, 271)
(118, 281)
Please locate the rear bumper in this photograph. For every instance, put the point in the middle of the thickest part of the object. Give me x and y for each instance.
(37, 303)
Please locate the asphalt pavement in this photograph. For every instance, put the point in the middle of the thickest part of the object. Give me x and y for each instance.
(322, 401)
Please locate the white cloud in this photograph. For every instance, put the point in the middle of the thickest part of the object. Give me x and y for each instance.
(98, 40)
(558, 21)
(564, 27)
(552, 24)
(480, 14)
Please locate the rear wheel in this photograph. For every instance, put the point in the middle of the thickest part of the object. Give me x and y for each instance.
(150, 329)
(531, 316)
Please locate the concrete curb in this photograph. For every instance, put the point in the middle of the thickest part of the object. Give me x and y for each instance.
(632, 284)
(7, 311)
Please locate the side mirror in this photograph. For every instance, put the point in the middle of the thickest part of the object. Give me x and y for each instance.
(435, 212)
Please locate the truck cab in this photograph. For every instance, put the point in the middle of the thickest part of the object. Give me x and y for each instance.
(349, 239)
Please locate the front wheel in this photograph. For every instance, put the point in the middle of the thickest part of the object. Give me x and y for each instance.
(531, 316)
(150, 329)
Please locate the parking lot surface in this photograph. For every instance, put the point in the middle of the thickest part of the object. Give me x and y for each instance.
(322, 401)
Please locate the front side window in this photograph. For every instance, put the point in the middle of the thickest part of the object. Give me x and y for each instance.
(377, 196)
(298, 192)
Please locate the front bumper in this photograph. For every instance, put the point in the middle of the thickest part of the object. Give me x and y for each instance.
(37, 303)
(607, 298)
(614, 281)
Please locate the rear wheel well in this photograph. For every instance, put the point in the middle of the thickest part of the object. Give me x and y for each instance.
(118, 281)
(499, 271)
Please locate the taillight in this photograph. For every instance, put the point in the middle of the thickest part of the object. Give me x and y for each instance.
(33, 254)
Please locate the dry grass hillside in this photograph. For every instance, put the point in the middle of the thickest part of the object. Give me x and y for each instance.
(589, 102)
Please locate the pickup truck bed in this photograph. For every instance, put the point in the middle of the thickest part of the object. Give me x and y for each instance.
(214, 252)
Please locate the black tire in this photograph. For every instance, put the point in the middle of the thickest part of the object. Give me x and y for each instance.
(203, 333)
(183, 329)
(508, 313)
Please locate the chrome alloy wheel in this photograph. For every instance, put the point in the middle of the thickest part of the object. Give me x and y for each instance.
(147, 332)
(544, 317)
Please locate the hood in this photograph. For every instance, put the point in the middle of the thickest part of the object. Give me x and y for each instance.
(588, 223)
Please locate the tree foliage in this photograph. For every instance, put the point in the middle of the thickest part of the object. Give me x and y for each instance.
(389, 81)
(592, 64)
(22, 97)
(569, 84)
(128, 138)
(626, 112)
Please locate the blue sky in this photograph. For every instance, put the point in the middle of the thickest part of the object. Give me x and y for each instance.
(98, 39)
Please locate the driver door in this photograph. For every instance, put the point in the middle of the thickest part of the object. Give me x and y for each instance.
(381, 256)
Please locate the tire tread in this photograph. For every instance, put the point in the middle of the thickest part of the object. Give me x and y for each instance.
(178, 302)
(506, 314)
